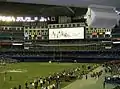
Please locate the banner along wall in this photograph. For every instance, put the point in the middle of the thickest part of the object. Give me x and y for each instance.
(66, 33)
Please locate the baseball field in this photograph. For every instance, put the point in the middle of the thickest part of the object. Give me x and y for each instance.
(25, 72)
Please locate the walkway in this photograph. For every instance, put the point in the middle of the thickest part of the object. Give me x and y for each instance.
(90, 83)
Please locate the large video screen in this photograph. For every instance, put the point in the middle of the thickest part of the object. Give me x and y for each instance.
(66, 33)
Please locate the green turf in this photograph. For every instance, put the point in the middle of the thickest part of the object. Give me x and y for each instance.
(33, 70)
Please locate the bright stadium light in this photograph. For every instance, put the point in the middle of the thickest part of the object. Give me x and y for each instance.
(13, 18)
(8, 19)
(85, 17)
(28, 19)
(48, 18)
(17, 44)
(117, 42)
(23, 19)
(19, 19)
(36, 18)
(4, 18)
(118, 12)
(42, 19)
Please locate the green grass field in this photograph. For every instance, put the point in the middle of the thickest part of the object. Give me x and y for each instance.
(30, 71)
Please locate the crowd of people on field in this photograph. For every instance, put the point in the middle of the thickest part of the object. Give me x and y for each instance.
(117, 87)
(112, 68)
(55, 80)
(4, 60)
(96, 74)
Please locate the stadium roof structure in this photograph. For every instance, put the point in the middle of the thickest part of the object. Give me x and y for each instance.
(15, 9)
(73, 3)
(67, 44)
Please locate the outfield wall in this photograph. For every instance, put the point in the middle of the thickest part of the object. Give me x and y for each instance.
(63, 59)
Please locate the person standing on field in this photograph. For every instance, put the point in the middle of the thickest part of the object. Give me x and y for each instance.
(104, 84)
(10, 78)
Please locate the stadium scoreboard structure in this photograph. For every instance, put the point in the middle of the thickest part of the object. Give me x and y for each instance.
(66, 33)
(36, 34)
(35, 29)
(98, 33)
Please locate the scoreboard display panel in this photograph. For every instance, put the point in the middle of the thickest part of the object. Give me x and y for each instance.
(66, 33)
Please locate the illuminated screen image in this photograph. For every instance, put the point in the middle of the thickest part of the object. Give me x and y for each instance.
(66, 33)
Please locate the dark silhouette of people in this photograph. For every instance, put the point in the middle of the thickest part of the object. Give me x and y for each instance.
(10, 78)
(86, 77)
(26, 85)
(14, 88)
(19, 87)
(104, 84)
(57, 78)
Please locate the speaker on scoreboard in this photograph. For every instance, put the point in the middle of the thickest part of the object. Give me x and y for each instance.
(101, 16)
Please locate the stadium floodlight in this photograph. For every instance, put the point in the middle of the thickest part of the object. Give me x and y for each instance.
(7, 18)
(36, 18)
(42, 19)
(117, 42)
(18, 19)
(3, 18)
(99, 16)
(28, 19)
(85, 16)
(118, 12)
(19, 44)
(25, 19)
